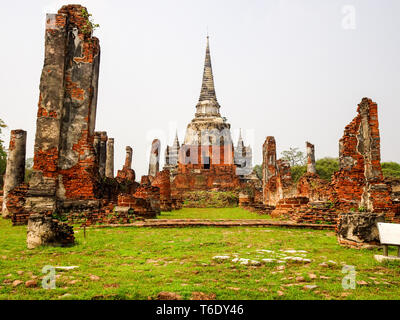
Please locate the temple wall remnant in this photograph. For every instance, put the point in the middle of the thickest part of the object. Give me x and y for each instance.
(359, 181)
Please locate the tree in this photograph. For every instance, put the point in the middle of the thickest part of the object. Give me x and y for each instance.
(297, 172)
(294, 156)
(391, 169)
(326, 167)
(28, 169)
(3, 153)
(257, 169)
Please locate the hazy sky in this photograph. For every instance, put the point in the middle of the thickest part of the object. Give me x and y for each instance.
(292, 69)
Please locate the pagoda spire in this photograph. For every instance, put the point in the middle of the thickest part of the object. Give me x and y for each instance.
(240, 143)
(176, 141)
(207, 86)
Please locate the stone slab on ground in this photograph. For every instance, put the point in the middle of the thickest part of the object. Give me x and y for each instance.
(382, 258)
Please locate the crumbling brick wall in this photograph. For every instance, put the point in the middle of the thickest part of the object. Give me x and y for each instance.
(277, 178)
(162, 181)
(310, 185)
(149, 193)
(287, 206)
(285, 182)
(359, 181)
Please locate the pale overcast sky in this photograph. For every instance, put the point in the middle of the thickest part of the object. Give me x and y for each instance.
(292, 69)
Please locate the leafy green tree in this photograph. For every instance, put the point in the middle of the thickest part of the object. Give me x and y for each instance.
(257, 169)
(326, 167)
(28, 169)
(297, 172)
(294, 156)
(391, 169)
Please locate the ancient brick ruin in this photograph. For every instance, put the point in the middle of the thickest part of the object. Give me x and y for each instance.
(73, 167)
(357, 186)
(359, 181)
(15, 170)
(310, 185)
(277, 179)
(154, 162)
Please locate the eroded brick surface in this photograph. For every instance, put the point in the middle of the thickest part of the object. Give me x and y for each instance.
(162, 181)
(310, 185)
(15, 169)
(359, 181)
(277, 178)
(65, 166)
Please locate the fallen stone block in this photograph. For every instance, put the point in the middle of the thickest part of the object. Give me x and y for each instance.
(44, 230)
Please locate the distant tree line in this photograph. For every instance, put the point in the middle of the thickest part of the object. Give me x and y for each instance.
(325, 167)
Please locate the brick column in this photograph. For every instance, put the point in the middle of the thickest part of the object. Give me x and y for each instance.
(154, 163)
(103, 154)
(110, 158)
(310, 158)
(15, 170)
(128, 158)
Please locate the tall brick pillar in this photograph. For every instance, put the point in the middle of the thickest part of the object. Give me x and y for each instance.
(110, 158)
(15, 170)
(96, 145)
(310, 158)
(127, 175)
(270, 171)
(65, 166)
(128, 158)
(103, 153)
(154, 163)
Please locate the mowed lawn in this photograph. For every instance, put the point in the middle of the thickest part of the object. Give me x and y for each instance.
(138, 263)
(212, 213)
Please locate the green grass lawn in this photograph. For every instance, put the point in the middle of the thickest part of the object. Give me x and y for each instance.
(212, 213)
(138, 263)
